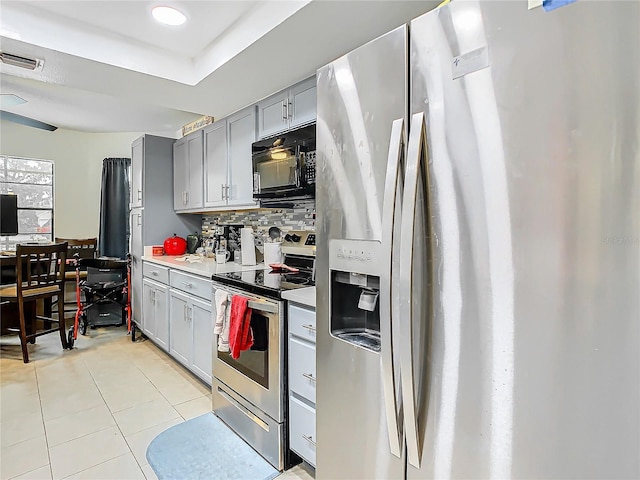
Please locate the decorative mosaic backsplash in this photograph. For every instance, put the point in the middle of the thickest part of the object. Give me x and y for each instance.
(302, 217)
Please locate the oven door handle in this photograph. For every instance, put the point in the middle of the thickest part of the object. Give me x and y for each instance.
(263, 306)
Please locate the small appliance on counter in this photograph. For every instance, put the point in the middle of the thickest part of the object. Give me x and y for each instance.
(194, 240)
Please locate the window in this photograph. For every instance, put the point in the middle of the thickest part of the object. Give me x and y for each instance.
(32, 181)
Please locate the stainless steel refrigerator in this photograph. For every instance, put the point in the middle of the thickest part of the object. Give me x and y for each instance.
(478, 221)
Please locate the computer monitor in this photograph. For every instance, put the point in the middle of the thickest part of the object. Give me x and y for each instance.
(8, 215)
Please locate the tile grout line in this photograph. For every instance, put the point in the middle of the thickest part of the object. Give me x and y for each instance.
(44, 426)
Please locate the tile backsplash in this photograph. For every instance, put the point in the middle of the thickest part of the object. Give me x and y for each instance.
(303, 217)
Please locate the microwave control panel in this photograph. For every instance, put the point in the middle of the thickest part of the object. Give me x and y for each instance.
(310, 167)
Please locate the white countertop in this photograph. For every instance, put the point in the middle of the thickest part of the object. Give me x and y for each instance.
(205, 267)
(305, 296)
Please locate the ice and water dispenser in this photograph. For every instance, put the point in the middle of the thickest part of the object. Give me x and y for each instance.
(354, 292)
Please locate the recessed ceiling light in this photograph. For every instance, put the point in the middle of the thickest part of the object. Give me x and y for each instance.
(168, 16)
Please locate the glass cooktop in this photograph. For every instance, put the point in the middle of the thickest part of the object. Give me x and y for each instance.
(269, 282)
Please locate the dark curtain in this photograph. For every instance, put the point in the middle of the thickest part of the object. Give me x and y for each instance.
(114, 208)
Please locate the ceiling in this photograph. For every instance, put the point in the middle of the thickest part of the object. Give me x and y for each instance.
(109, 67)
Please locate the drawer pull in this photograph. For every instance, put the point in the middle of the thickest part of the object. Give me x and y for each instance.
(154, 273)
(309, 327)
(187, 284)
(309, 439)
(309, 376)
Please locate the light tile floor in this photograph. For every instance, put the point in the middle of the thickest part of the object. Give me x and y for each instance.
(91, 412)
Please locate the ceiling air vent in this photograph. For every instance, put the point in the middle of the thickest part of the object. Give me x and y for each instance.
(22, 62)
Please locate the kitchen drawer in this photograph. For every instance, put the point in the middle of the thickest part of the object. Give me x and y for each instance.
(198, 286)
(302, 429)
(302, 322)
(158, 273)
(302, 368)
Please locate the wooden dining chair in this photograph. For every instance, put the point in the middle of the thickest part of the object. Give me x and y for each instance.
(42, 271)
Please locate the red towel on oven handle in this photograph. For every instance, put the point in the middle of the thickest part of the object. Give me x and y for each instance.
(240, 336)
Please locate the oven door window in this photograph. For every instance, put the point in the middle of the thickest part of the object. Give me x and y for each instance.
(253, 363)
(277, 168)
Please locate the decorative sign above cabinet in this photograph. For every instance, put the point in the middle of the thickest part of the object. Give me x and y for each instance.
(196, 124)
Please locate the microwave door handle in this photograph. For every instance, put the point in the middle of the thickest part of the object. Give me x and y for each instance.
(390, 234)
(299, 165)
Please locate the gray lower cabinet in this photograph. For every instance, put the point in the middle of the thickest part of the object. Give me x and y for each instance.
(302, 381)
(191, 323)
(155, 299)
(177, 316)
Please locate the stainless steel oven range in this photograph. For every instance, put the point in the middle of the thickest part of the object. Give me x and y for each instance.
(249, 393)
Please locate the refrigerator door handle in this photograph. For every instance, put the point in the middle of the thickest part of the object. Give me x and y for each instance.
(416, 152)
(396, 148)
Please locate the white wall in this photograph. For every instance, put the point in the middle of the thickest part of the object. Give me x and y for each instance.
(78, 169)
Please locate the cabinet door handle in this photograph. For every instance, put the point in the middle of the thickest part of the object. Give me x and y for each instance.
(309, 376)
(153, 296)
(284, 110)
(309, 327)
(139, 219)
(222, 187)
(289, 110)
(189, 313)
(139, 194)
(184, 312)
(228, 187)
(309, 439)
(186, 196)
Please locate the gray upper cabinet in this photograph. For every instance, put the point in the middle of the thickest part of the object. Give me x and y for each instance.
(272, 114)
(137, 167)
(215, 165)
(241, 128)
(228, 172)
(188, 157)
(302, 106)
(288, 109)
(180, 156)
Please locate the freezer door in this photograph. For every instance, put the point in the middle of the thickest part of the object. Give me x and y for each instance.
(361, 97)
(532, 121)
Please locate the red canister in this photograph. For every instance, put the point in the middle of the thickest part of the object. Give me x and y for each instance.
(175, 245)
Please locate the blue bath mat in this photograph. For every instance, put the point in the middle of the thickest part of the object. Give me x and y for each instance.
(205, 448)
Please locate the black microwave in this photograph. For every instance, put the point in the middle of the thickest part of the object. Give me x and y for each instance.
(284, 167)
